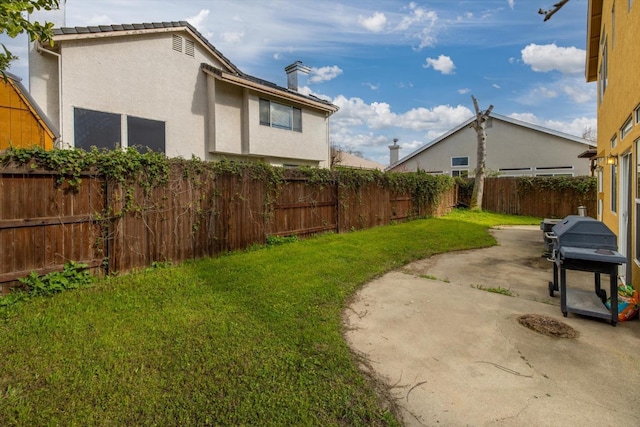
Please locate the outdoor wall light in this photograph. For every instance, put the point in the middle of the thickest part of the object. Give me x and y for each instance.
(612, 159)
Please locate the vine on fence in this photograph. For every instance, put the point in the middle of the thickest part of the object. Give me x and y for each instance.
(583, 185)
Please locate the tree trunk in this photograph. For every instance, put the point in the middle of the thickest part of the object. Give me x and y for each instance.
(480, 126)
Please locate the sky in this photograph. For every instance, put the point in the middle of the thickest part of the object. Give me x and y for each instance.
(396, 69)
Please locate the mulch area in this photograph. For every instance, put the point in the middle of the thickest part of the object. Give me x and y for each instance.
(547, 326)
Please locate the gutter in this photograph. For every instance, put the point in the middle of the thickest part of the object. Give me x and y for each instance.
(41, 50)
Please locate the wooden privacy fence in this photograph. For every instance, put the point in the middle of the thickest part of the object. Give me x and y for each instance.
(117, 228)
(543, 197)
(535, 197)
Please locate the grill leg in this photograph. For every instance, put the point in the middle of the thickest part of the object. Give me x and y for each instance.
(563, 291)
(613, 276)
(599, 291)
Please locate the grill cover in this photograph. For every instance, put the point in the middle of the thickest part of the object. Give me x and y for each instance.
(584, 232)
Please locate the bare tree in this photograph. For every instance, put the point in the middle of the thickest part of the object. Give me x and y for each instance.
(336, 155)
(556, 7)
(589, 133)
(480, 126)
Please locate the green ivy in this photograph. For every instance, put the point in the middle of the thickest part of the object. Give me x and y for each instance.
(581, 184)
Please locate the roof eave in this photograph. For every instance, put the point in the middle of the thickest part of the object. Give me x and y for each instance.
(275, 92)
(594, 25)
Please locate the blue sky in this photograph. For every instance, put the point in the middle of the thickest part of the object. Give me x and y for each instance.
(396, 69)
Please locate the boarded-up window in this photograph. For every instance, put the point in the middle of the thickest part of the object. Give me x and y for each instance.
(96, 129)
(146, 134)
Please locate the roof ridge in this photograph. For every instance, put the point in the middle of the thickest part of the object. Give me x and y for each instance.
(114, 28)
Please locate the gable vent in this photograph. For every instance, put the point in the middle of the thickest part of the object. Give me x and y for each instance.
(177, 43)
(189, 47)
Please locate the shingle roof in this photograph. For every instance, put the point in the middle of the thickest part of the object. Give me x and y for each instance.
(176, 24)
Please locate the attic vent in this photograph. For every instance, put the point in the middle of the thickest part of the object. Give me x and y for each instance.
(177, 43)
(189, 47)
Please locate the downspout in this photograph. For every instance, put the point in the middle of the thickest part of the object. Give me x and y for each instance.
(40, 50)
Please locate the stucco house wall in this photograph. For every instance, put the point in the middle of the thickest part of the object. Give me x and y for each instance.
(169, 74)
(514, 148)
(611, 62)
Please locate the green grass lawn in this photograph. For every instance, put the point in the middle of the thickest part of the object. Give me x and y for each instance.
(250, 338)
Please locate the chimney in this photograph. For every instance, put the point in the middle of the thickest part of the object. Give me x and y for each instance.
(394, 151)
(297, 75)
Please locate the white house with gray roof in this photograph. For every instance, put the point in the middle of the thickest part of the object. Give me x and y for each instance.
(163, 86)
(514, 148)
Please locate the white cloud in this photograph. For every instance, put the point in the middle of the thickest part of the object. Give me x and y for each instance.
(443, 63)
(526, 117)
(199, 20)
(574, 127)
(511, 3)
(545, 58)
(425, 21)
(578, 92)
(374, 23)
(232, 37)
(99, 20)
(464, 91)
(378, 115)
(372, 86)
(547, 93)
(572, 89)
(324, 74)
(495, 85)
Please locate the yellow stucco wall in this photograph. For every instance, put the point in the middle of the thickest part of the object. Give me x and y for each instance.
(19, 125)
(620, 102)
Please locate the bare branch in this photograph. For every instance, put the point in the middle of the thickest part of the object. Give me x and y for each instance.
(556, 7)
(475, 104)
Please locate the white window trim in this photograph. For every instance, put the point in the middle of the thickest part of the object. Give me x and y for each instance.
(459, 157)
(626, 128)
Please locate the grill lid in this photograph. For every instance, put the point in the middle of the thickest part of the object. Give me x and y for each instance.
(584, 232)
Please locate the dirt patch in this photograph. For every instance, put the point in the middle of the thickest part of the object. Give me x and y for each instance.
(547, 326)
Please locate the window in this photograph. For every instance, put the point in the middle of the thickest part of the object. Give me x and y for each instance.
(96, 129)
(602, 83)
(630, 4)
(626, 128)
(280, 116)
(460, 161)
(462, 173)
(146, 134)
(614, 141)
(637, 114)
(614, 188)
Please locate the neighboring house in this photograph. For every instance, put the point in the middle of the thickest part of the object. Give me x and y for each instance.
(347, 160)
(22, 122)
(514, 148)
(163, 86)
(612, 60)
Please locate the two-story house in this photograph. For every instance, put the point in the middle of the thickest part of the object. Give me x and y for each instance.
(613, 36)
(163, 86)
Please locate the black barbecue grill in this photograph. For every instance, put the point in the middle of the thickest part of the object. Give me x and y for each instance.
(584, 244)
